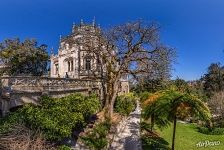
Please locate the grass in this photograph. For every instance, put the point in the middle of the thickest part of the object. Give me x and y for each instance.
(187, 137)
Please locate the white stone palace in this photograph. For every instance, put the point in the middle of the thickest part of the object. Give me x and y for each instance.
(73, 69)
(74, 61)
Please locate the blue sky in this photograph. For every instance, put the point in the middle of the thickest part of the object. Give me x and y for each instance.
(194, 27)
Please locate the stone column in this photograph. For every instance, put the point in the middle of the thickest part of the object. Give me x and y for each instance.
(5, 94)
(5, 106)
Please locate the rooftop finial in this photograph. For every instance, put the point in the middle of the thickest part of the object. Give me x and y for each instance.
(81, 21)
(52, 50)
(94, 21)
(73, 27)
(99, 26)
(60, 43)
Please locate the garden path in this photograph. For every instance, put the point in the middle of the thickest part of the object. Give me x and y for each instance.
(128, 135)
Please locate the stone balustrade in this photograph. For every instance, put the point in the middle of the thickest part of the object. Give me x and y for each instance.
(18, 90)
(45, 83)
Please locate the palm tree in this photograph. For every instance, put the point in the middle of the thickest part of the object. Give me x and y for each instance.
(149, 111)
(173, 105)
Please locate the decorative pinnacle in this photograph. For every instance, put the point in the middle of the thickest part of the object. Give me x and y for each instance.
(94, 21)
(73, 26)
(52, 50)
(81, 22)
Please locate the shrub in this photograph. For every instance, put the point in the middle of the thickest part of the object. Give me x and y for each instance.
(64, 147)
(96, 139)
(9, 121)
(125, 104)
(144, 96)
(218, 122)
(211, 131)
(56, 117)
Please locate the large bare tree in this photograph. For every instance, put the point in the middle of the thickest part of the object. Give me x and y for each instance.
(129, 49)
(216, 103)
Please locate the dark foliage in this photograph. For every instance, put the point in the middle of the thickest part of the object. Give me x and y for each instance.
(211, 131)
(149, 142)
(214, 79)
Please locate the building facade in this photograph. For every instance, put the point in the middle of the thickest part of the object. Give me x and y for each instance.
(73, 60)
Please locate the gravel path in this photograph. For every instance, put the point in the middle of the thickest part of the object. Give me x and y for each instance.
(128, 137)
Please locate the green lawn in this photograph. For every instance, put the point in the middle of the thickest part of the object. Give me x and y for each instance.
(187, 137)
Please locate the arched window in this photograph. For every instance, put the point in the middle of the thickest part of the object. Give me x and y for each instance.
(68, 64)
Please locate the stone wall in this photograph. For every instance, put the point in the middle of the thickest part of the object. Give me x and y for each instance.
(16, 91)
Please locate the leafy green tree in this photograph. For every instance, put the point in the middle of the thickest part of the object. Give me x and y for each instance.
(214, 79)
(149, 85)
(173, 105)
(181, 85)
(25, 57)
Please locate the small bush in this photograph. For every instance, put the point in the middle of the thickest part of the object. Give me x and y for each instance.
(125, 104)
(96, 139)
(10, 120)
(144, 96)
(211, 131)
(64, 147)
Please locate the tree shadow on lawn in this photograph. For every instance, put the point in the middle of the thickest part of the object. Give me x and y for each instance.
(154, 143)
